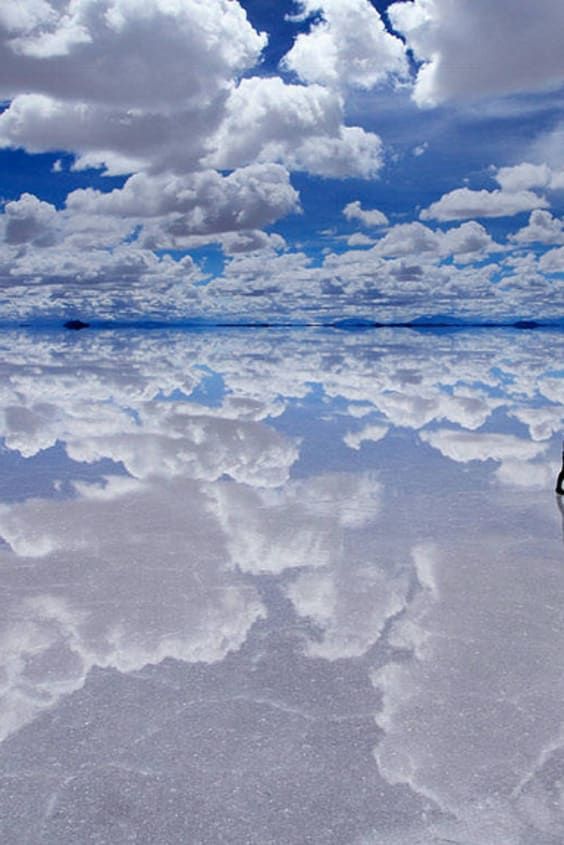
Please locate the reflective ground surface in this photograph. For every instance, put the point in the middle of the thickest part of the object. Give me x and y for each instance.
(281, 587)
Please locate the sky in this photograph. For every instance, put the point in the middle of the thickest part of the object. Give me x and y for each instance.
(303, 161)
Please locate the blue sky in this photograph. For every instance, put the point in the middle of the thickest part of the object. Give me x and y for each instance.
(306, 160)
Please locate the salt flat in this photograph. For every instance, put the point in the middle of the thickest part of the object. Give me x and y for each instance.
(268, 586)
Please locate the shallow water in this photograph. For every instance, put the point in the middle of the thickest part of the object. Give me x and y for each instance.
(281, 587)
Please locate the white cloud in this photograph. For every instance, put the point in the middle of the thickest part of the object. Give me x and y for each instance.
(542, 228)
(467, 242)
(359, 239)
(464, 203)
(348, 46)
(198, 48)
(553, 261)
(106, 240)
(81, 77)
(195, 113)
(403, 274)
(420, 149)
(410, 279)
(29, 220)
(369, 217)
(99, 96)
(523, 177)
(251, 241)
(408, 239)
(475, 48)
(352, 152)
(94, 279)
(200, 203)
(548, 146)
(299, 126)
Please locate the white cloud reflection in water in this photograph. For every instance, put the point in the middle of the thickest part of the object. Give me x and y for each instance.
(286, 587)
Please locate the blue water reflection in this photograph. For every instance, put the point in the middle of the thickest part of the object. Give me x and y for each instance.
(281, 586)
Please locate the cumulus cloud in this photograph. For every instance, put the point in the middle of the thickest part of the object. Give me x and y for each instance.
(466, 243)
(208, 145)
(80, 77)
(412, 278)
(369, 217)
(201, 203)
(408, 239)
(348, 45)
(78, 275)
(122, 143)
(553, 261)
(196, 112)
(542, 228)
(463, 203)
(523, 177)
(251, 241)
(29, 220)
(103, 237)
(359, 239)
(462, 55)
(299, 126)
(99, 96)
(50, 49)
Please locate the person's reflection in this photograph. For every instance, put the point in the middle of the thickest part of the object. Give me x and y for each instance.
(560, 491)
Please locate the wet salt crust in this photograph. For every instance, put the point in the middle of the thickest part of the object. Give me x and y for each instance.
(281, 586)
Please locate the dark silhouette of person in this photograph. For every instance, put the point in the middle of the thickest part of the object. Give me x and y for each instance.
(560, 479)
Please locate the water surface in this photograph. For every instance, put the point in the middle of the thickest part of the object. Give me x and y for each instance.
(281, 587)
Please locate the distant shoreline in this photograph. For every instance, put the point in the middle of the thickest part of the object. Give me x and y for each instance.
(347, 325)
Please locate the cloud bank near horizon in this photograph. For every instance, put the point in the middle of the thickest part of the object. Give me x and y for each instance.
(179, 142)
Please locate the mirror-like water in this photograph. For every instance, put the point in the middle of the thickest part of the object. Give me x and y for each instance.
(281, 587)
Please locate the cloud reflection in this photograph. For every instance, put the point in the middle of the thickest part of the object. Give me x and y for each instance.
(373, 501)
